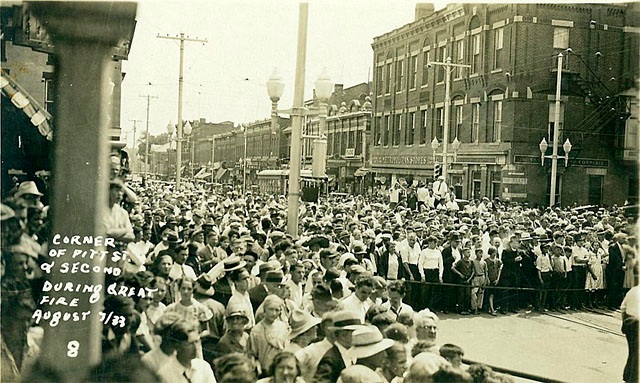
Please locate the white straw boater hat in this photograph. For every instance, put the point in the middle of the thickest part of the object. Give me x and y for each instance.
(368, 341)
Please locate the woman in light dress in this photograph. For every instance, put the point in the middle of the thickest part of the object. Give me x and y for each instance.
(595, 277)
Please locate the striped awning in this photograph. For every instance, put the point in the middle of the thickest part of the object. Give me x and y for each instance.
(39, 117)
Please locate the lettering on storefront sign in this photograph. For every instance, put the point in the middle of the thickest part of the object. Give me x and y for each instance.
(514, 180)
(409, 160)
(476, 160)
(583, 162)
(514, 195)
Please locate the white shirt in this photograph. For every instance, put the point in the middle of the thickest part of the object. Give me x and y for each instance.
(171, 371)
(440, 188)
(354, 304)
(394, 266)
(455, 252)
(431, 259)
(631, 302)
(410, 255)
(422, 194)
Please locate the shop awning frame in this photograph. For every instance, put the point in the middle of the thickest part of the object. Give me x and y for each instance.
(38, 115)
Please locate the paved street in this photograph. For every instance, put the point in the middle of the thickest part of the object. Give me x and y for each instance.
(571, 347)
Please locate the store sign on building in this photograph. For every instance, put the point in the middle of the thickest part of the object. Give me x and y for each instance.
(350, 152)
(583, 162)
(393, 160)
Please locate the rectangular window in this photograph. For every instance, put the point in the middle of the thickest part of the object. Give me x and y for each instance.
(411, 129)
(438, 129)
(399, 75)
(475, 53)
(336, 139)
(388, 78)
(379, 79)
(498, 42)
(496, 182)
(352, 139)
(458, 125)
(497, 121)
(330, 144)
(413, 71)
(376, 132)
(397, 125)
(459, 72)
(358, 143)
(49, 95)
(423, 127)
(560, 38)
(345, 142)
(595, 189)
(475, 122)
(442, 57)
(426, 58)
(387, 130)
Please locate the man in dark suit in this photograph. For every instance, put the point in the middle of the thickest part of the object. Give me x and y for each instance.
(268, 285)
(450, 254)
(510, 276)
(615, 271)
(337, 358)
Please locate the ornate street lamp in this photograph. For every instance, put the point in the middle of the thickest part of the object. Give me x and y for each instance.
(275, 87)
(324, 88)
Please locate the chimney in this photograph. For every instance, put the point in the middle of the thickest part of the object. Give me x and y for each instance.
(424, 10)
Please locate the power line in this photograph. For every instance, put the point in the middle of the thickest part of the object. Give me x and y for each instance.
(182, 39)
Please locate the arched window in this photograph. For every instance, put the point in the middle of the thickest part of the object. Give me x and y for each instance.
(426, 57)
(494, 114)
(475, 45)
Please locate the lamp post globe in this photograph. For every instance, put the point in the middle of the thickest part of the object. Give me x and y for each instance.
(275, 86)
(187, 129)
(455, 145)
(170, 128)
(435, 144)
(324, 85)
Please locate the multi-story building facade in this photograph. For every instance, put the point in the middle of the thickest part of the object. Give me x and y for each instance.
(348, 128)
(503, 104)
(264, 149)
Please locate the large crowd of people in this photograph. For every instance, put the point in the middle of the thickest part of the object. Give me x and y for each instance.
(355, 298)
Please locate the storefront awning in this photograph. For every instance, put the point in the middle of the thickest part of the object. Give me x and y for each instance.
(361, 172)
(221, 172)
(39, 117)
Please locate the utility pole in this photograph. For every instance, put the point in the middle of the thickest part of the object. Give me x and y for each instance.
(449, 68)
(182, 39)
(146, 147)
(296, 124)
(556, 132)
(134, 137)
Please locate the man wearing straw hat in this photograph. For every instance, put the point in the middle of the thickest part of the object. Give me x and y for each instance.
(338, 357)
(369, 347)
(302, 330)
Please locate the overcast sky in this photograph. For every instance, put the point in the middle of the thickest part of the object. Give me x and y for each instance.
(224, 79)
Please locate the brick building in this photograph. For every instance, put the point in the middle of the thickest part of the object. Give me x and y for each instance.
(348, 130)
(503, 104)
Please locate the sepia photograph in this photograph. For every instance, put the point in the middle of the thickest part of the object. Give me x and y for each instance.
(286, 191)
